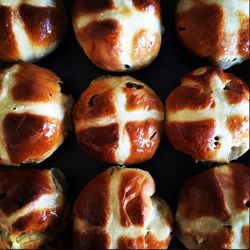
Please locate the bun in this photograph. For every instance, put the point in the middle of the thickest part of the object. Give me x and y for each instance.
(208, 115)
(119, 120)
(213, 209)
(34, 114)
(215, 29)
(31, 29)
(33, 209)
(129, 217)
(118, 35)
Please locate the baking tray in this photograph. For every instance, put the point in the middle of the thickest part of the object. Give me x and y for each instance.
(168, 167)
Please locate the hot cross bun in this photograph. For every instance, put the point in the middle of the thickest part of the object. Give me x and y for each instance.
(119, 120)
(217, 29)
(34, 114)
(208, 115)
(33, 209)
(30, 29)
(116, 210)
(118, 35)
(213, 209)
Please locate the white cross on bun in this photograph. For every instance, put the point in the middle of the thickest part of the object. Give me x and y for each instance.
(208, 115)
(213, 209)
(217, 29)
(34, 114)
(118, 35)
(117, 210)
(119, 120)
(30, 29)
(33, 209)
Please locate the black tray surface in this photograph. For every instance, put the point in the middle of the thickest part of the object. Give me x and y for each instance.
(168, 167)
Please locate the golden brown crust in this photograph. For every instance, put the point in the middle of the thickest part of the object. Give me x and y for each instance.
(100, 40)
(209, 21)
(206, 22)
(15, 191)
(101, 123)
(138, 99)
(33, 209)
(125, 198)
(37, 221)
(195, 138)
(28, 137)
(44, 26)
(8, 47)
(152, 243)
(246, 233)
(236, 90)
(95, 195)
(35, 84)
(219, 194)
(145, 44)
(192, 197)
(29, 134)
(244, 43)
(189, 98)
(92, 7)
(130, 243)
(204, 78)
(102, 33)
(35, 18)
(146, 5)
(238, 126)
(240, 186)
(207, 100)
(134, 208)
(101, 142)
(96, 101)
(144, 137)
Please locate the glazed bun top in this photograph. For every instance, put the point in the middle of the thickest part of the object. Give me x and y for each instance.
(119, 120)
(217, 29)
(30, 29)
(118, 35)
(34, 114)
(213, 209)
(208, 115)
(121, 213)
(33, 209)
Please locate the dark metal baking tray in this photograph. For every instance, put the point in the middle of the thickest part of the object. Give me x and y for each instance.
(168, 167)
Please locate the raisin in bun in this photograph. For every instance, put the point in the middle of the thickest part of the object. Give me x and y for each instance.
(30, 29)
(119, 120)
(208, 115)
(121, 213)
(118, 35)
(33, 209)
(217, 29)
(213, 209)
(34, 114)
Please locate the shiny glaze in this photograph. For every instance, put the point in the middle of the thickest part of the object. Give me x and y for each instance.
(101, 124)
(34, 115)
(221, 194)
(125, 197)
(215, 99)
(195, 138)
(215, 29)
(101, 42)
(8, 47)
(106, 41)
(43, 27)
(19, 220)
(28, 137)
